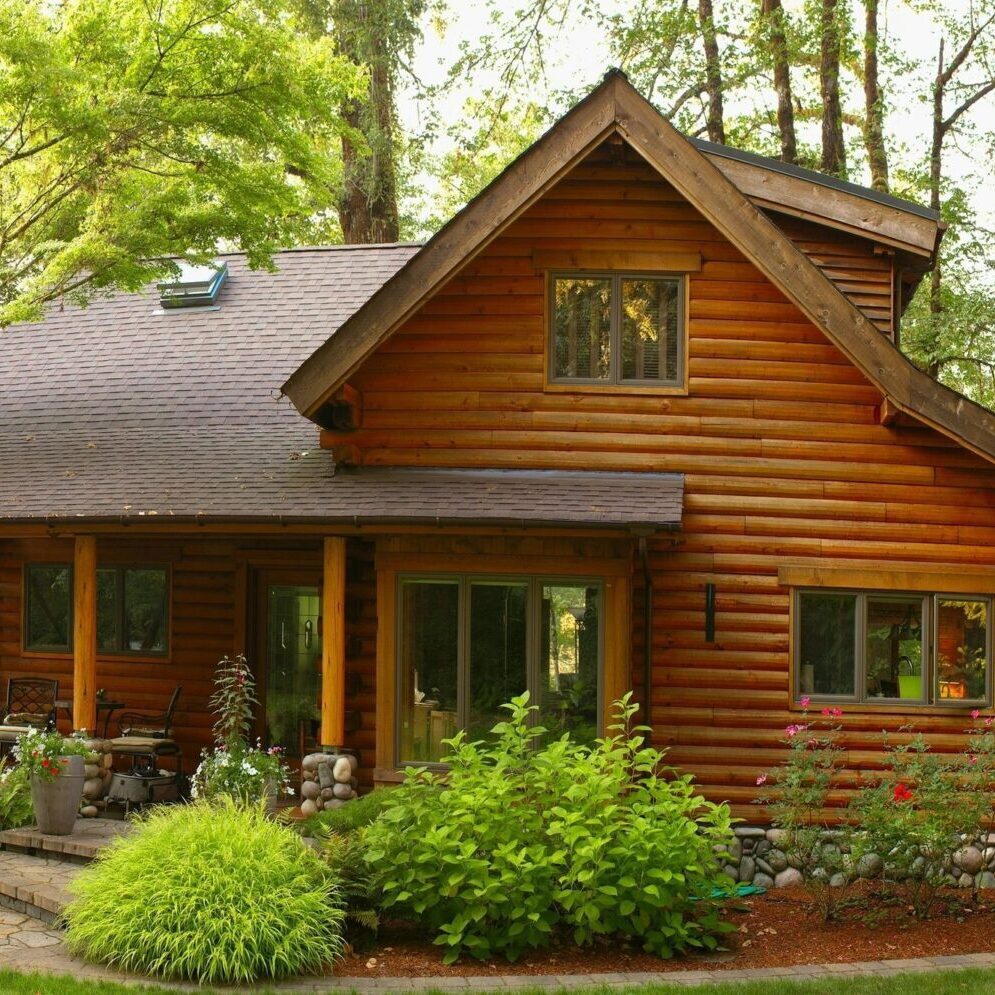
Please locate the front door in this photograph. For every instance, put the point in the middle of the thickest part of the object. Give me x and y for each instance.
(290, 678)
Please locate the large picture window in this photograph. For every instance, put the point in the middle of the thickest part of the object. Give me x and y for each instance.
(132, 609)
(466, 645)
(892, 648)
(616, 329)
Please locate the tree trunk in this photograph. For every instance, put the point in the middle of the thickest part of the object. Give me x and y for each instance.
(713, 73)
(877, 153)
(833, 147)
(936, 173)
(774, 13)
(368, 205)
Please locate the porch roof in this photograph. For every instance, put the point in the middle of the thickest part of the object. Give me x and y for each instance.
(124, 411)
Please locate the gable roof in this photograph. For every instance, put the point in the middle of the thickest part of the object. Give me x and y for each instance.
(615, 107)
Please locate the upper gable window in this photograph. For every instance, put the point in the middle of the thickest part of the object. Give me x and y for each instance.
(616, 329)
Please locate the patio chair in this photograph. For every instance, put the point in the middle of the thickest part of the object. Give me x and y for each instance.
(147, 737)
(30, 705)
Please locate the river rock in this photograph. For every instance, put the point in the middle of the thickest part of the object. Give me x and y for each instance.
(325, 778)
(750, 832)
(308, 808)
(837, 881)
(777, 837)
(88, 811)
(343, 791)
(747, 868)
(92, 787)
(311, 761)
(91, 771)
(342, 770)
(986, 880)
(966, 881)
(763, 881)
(735, 850)
(732, 871)
(789, 879)
(327, 793)
(310, 789)
(777, 860)
(869, 865)
(969, 859)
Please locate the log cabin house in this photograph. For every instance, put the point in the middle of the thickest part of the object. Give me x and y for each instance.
(637, 417)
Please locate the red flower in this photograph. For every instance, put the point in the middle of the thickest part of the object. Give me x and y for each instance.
(902, 793)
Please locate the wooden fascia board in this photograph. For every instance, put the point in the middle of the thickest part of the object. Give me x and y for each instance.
(719, 200)
(826, 205)
(459, 241)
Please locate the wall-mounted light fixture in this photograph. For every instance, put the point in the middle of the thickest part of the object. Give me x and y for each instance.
(709, 613)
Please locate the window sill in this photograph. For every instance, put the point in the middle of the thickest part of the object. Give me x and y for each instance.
(650, 390)
(891, 708)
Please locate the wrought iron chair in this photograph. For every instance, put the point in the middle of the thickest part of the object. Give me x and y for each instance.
(147, 737)
(30, 705)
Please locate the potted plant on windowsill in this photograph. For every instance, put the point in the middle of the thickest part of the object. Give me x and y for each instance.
(55, 766)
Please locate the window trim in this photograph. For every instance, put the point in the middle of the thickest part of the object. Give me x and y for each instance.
(614, 382)
(150, 656)
(929, 699)
(534, 582)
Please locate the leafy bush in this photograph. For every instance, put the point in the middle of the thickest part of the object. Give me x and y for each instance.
(234, 768)
(797, 793)
(350, 817)
(517, 842)
(207, 892)
(345, 855)
(918, 815)
(40, 753)
(15, 797)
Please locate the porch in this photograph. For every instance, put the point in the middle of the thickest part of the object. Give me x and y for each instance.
(360, 642)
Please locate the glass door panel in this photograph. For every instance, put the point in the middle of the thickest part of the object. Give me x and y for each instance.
(498, 652)
(428, 643)
(570, 648)
(292, 692)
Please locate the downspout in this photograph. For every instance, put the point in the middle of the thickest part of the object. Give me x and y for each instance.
(647, 633)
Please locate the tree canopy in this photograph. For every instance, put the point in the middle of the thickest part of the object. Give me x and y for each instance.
(132, 131)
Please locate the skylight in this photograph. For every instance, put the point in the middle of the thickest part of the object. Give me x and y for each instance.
(194, 286)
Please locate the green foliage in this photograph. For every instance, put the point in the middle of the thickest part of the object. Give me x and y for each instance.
(518, 842)
(209, 893)
(234, 768)
(917, 815)
(15, 797)
(134, 132)
(351, 817)
(39, 753)
(797, 794)
(345, 855)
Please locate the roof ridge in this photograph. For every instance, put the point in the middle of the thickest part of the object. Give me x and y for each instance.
(343, 247)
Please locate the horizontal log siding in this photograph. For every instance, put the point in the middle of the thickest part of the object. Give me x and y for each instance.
(779, 438)
(203, 620)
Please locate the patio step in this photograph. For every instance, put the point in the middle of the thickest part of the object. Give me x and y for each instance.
(34, 885)
(86, 841)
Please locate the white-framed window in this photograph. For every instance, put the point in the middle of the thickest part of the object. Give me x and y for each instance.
(616, 329)
(466, 644)
(881, 647)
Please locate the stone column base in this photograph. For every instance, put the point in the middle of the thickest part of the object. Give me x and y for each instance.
(328, 780)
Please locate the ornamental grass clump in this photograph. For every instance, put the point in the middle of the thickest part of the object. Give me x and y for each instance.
(208, 892)
(522, 842)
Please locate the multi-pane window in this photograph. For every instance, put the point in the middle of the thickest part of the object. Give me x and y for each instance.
(132, 609)
(466, 645)
(616, 329)
(883, 647)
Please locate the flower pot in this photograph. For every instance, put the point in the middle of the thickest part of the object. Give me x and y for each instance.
(56, 803)
(910, 686)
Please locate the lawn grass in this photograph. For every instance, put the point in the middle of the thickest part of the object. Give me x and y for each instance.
(966, 982)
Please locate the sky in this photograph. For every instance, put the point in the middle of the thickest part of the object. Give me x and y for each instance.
(578, 58)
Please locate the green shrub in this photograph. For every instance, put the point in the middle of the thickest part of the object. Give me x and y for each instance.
(519, 842)
(207, 892)
(15, 797)
(350, 817)
(345, 855)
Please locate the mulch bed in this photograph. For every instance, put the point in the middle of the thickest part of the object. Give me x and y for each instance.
(778, 929)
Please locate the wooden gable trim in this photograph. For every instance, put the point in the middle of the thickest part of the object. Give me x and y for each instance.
(828, 206)
(615, 106)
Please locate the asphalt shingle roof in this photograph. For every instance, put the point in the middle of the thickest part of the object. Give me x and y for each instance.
(121, 411)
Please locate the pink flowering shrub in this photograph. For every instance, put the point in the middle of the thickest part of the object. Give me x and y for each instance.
(798, 795)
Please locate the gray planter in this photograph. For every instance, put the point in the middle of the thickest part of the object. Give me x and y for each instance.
(56, 803)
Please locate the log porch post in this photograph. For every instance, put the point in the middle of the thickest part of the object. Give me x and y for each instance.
(85, 634)
(333, 642)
